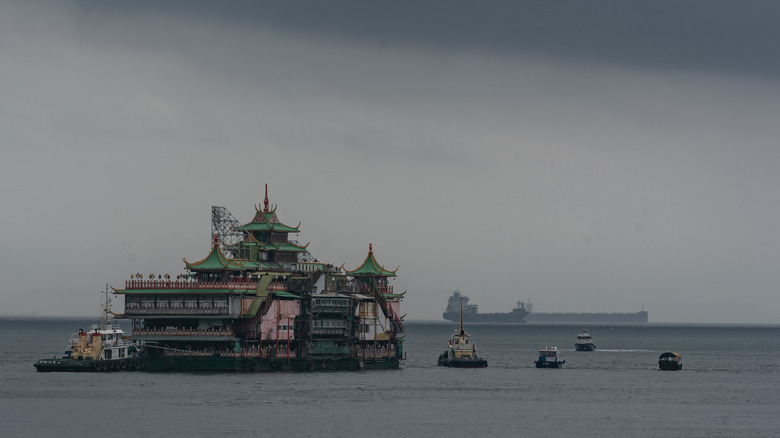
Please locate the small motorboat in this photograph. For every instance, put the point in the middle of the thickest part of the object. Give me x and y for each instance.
(670, 361)
(584, 341)
(549, 358)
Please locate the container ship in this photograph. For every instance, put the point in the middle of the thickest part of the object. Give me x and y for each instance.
(524, 313)
(259, 301)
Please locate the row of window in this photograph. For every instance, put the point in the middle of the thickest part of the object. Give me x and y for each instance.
(332, 302)
(329, 323)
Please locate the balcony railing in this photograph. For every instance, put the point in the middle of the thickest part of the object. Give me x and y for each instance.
(331, 309)
(267, 353)
(329, 331)
(182, 332)
(363, 289)
(166, 310)
(190, 284)
(370, 352)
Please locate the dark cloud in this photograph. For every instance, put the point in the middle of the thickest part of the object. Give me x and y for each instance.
(718, 35)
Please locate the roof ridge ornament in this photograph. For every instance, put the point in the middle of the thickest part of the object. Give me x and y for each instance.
(265, 202)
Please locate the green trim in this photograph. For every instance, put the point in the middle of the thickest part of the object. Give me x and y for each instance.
(264, 226)
(283, 294)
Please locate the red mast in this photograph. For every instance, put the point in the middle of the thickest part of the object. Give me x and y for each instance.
(265, 202)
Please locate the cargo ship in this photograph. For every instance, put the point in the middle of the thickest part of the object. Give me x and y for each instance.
(471, 311)
(523, 312)
(259, 301)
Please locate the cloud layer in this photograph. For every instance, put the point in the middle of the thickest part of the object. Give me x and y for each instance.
(589, 158)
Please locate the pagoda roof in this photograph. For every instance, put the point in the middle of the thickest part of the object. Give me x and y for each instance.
(216, 261)
(371, 267)
(266, 220)
(273, 246)
(393, 295)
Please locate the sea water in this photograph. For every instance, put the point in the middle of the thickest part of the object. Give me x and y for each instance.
(729, 387)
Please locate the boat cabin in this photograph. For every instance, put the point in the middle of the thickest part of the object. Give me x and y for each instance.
(670, 361)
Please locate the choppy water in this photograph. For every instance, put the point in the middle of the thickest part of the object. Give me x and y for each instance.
(729, 387)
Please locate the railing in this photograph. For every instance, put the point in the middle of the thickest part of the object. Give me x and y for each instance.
(224, 310)
(331, 309)
(364, 289)
(329, 331)
(266, 353)
(370, 352)
(191, 284)
(182, 332)
(188, 284)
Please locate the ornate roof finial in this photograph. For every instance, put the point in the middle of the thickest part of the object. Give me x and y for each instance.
(216, 238)
(370, 248)
(265, 202)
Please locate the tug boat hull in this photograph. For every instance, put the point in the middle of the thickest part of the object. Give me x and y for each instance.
(550, 364)
(549, 358)
(444, 361)
(89, 365)
(64, 365)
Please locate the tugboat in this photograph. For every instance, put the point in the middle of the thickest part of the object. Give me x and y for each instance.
(102, 348)
(670, 361)
(584, 341)
(549, 358)
(461, 352)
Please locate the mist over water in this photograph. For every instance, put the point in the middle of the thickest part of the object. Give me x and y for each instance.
(728, 387)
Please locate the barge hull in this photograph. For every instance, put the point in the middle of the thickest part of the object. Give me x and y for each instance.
(245, 364)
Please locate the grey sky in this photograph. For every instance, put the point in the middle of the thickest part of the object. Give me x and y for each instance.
(591, 156)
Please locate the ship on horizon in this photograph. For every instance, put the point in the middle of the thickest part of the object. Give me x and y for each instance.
(471, 311)
(523, 312)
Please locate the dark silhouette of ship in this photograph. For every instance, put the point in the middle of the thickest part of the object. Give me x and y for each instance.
(524, 313)
(471, 313)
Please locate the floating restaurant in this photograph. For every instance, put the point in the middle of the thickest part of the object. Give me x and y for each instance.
(260, 301)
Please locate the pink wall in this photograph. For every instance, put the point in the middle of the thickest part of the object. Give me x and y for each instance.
(281, 312)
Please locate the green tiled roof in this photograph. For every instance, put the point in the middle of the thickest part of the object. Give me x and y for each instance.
(371, 267)
(273, 246)
(267, 221)
(264, 226)
(393, 295)
(216, 261)
(287, 246)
